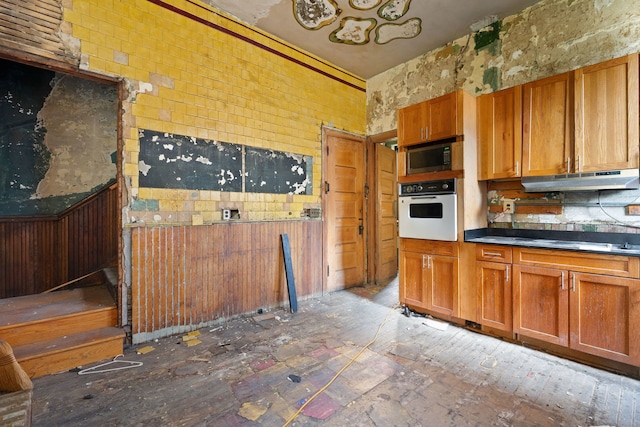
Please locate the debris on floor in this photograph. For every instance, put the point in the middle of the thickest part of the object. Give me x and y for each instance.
(253, 410)
(441, 326)
(145, 350)
(192, 338)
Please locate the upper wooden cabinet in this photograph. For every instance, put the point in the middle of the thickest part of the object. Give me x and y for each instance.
(547, 126)
(607, 116)
(438, 118)
(500, 133)
(581, 121)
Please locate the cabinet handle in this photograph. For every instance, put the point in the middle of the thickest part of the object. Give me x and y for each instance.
(562, 281)
(568, 164)
(506, 279)
(429, 261)
(423, 260)
(426, 133)
(517, 168)
(579, 168)
(573, 282)
(492, 254)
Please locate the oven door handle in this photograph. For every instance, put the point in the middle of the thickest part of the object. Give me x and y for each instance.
(424, 198)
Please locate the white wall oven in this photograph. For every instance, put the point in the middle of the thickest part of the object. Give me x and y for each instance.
(428, 210)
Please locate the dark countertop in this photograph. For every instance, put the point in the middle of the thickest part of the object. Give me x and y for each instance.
(605, 243)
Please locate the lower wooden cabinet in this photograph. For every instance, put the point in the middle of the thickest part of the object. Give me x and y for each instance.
(604, 316)
(541, 304)
(494, 295)
(412, 279)
(493, 281)
(592, 313)
(429, 275)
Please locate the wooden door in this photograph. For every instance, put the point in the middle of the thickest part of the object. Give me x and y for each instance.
(412, 124)
(385, 229)
(345, 216)
(547, 126)
(541, 303)
(606, 115)
(442, 284)
(605, 312)
(442, 115)
(494, 295)
(500, 133)
(412, 279)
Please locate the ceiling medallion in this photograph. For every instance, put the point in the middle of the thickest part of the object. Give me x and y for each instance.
(407, 30)
(353, 31)
(314, 14)
(364, 4)
(394, 9)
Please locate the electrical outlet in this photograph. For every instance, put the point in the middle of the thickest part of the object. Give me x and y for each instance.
(508, 206)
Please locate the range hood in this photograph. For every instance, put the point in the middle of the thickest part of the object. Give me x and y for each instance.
(585, 181)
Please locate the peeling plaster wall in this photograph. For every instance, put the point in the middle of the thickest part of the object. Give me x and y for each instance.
(58, 139)
(81, 121)
(548, 38)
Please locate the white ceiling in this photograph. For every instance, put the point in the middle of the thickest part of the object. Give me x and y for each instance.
(442, 21)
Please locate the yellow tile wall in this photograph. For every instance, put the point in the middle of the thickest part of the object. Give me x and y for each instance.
(190, 79)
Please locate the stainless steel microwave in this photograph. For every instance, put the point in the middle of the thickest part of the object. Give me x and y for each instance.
(429, 158)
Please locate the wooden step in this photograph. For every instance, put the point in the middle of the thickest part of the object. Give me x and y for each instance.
(60, 330)
(63, 353)
(57, 314)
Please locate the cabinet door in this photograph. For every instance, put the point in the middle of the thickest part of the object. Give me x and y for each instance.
(442, 284)
(412, 123)
(606, 115)
(494, 295)
(547, 126)
(442, 113)
(541, 303)
(412, 279)
(605, 313)
(500, 133)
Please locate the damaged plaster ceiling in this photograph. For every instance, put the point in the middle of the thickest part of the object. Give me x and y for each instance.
(367, 37)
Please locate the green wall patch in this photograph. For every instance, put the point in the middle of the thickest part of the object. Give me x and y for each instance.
(491, 77)
(487, 36)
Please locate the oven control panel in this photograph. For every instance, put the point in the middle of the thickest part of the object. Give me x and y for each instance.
(442, 186)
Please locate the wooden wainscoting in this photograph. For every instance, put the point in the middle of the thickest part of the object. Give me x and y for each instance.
(185, 276)
(39, 253)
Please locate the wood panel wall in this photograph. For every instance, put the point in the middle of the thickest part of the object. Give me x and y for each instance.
(184, 277)
(39, 253)
(33, 27)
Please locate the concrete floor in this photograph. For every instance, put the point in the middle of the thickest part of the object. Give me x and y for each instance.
(243, 372)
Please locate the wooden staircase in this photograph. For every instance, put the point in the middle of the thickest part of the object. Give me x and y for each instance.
(57, 331)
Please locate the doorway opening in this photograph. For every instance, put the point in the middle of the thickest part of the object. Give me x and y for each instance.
(359, 196)
(59, 210)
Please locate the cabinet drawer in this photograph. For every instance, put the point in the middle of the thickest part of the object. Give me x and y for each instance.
(433, 247)
(611, 265)
(494, 253)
